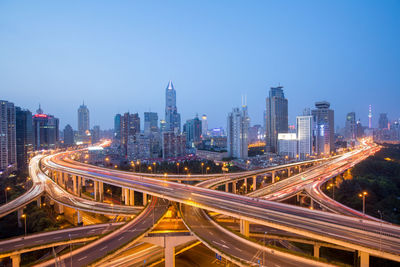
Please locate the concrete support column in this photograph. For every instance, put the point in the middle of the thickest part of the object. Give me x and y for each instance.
(364, 259)
(273, 177)
(298, 197)
(96, 190)
(288, 172)
(39, 201)
(16, 260)
(227, 187)
(234, 187)
(254, 183)
(312, 204)
(245, 185)
(316, 250)
(79, 217)
(245, 228)
(19, 215)
(126, 194)
(144, 199)
(79, 189)
(131, 197)
(59, 208)
(101, 191)
(74, 185)
(169, 254)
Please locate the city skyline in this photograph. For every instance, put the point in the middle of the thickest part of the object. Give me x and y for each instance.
(201, 63)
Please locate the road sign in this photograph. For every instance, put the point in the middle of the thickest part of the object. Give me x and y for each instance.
(218, 257)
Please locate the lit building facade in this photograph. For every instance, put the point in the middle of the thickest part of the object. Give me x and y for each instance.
(324, 131)
(8, 149)
(276, 117)
(237, 129)
(287, 145)
(24, 136)
(304, 127)
(83, 120)
(45, 129)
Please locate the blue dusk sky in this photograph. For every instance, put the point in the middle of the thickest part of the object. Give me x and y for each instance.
(118, 56)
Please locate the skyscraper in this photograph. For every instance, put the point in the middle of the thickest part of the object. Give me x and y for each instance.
(193, 129)
(350, 126)
(383, 121)
(45, 129)
(173, 145)
(304, 125)
(150, 122)
(237, 128)
(8, 149)
(95, 134)
(130, 126)
(172, 117)
(24, 136)
(117, 127)
(324, 130)
(68, 136)
(276, 117)
(83, 120)
(204, 125)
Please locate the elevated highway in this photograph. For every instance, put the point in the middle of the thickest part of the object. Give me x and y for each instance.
(341, 230)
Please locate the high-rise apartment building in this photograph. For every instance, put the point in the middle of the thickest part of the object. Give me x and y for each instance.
(83, 120)
(8, 149)
(350, 126)
(383, 121)
(24, 136)
(117, 127)
(130, 126)
(237, 129)
(276, 117)
(172, 117)
(324, 130)
(150, 122)
(204, 125)
(173, 145)
(288, 145)
(95, 132)
(304, 127)
(45, 130)
(68, 136)
(193, 130)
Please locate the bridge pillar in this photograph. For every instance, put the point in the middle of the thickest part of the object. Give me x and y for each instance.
(74, 185)
(39, 201)
(79, 217)
(169, 254)
(144, 199)
(227, 187)
(19, 215)
(78, 185)
(273, 177)
(245, 185)
(126, 195)
(312, 204)
(364, 259)
(101, 191)
(234, 187)
(254, 183)
(96, 190)
(59, 208)
(288, 172)
(16, 260)
(131, 197)
(316, 250)
(244, 227)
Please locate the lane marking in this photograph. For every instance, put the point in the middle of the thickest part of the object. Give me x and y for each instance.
(103, 248)
(82, 258)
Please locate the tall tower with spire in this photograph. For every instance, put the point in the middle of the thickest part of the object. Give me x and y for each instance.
(172, 117)
(370, 117)
(83, 119)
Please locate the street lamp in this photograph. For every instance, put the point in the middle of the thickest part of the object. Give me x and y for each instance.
(149, 168)
(155, 167)
(202, 168)
(138, 163)
(177, 167)
(363, 195)
(6, 190)
(24, 217)
(207, 169)
(380, 232)
(333, 190)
